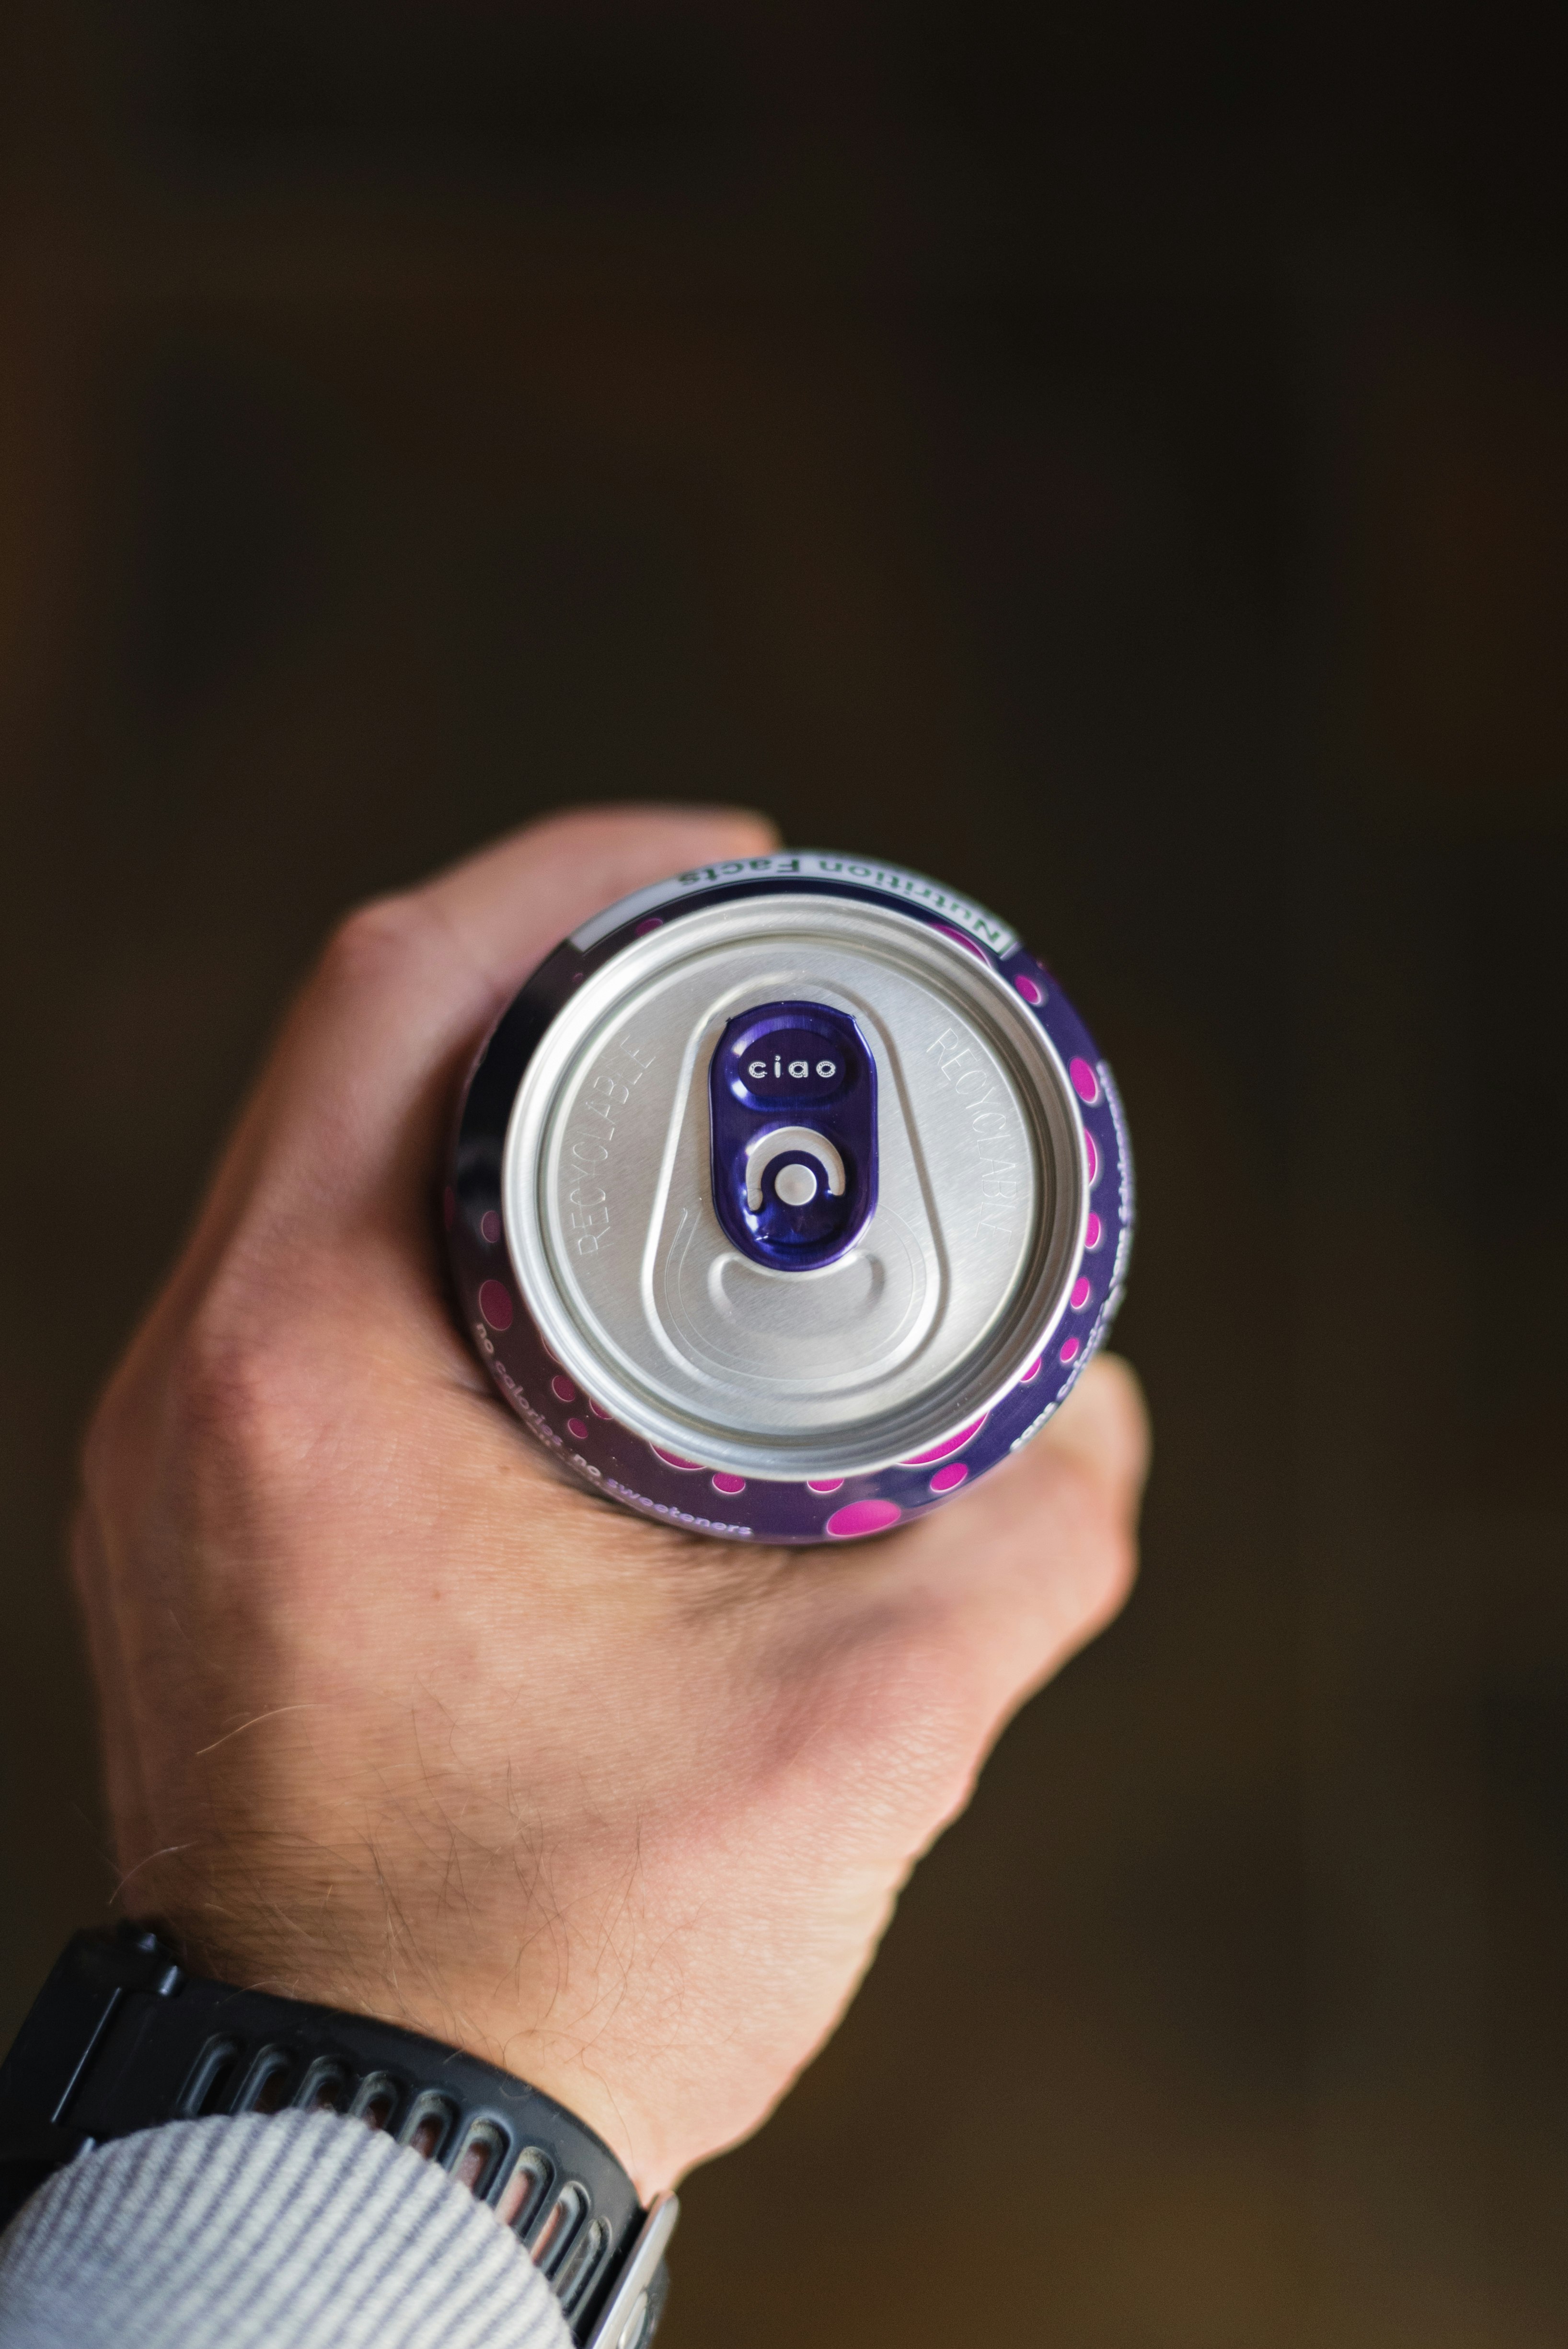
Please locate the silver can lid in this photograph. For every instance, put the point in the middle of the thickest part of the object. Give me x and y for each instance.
(948, 1293)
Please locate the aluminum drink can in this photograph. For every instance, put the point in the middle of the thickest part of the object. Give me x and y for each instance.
(787, 1197)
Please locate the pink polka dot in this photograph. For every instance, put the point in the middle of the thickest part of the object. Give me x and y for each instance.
(729, 1483)
(1069, 1352)
(824, 1483)
(1080, 1295)
(563, 1387)
(495, 1304)
(597, 1409)
(490, 1226)
(674, 1460)
(1030, 989)
(448, 1206)
(1086, 1084)
(954, 1443)
(578, 1428)
(958, 938)
(861, 1517)
(1033, 1371)
(652, 922)
(1093, 1232)
(947, 1480)
(1093, 1159)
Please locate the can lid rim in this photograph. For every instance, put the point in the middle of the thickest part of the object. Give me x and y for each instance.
(889, 1436)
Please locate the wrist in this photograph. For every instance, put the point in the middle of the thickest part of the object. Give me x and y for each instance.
(360, 1950)
(123, 2038)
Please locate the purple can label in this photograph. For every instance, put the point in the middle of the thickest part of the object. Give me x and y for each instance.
(768, 1215)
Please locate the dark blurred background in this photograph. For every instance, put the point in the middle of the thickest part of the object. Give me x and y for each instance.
(1114, 458)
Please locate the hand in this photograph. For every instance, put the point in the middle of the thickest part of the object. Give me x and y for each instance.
(396, 1721)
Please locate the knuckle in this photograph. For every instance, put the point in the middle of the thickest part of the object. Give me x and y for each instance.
(1114, 1573)
(109, 1447)
(372, 941)
(241, 1397)
(217, 1445)
(1093, 1563)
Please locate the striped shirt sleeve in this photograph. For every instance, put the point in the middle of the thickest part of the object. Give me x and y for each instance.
(286, 2230)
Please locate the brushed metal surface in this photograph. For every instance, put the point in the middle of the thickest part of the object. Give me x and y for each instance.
(950, 1292)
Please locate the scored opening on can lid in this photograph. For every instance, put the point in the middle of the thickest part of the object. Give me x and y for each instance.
(707, 1340)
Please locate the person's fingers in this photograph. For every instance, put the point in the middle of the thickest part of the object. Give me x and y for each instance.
(1104, 1426)
(1008, 1582)
(411, 978)
(1052, 1551)
(366, 1056)
(510, 903)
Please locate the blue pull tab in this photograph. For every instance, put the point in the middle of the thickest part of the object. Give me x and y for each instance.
(792, 1109)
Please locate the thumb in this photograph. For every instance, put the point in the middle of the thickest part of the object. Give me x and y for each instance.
(1103, 1429)
(346, 1113)
(409, 983)
(409, 980)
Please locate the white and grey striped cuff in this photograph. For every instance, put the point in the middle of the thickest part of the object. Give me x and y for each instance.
(284, 2231)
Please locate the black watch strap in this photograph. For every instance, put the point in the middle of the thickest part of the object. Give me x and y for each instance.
(121, 2038)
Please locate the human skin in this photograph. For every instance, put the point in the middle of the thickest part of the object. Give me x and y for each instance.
(396, 1721)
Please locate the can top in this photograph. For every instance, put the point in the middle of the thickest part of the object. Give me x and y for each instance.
(794, 1186)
